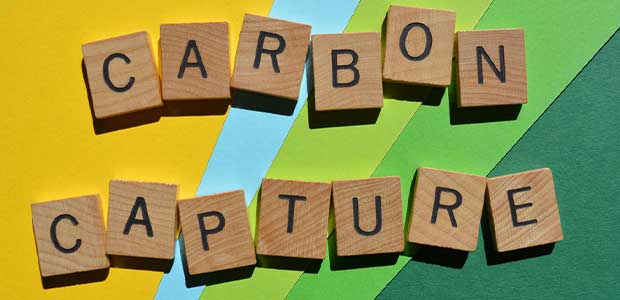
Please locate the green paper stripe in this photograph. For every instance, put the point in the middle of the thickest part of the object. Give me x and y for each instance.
(332, 153)
(561, 37)
(581, 148)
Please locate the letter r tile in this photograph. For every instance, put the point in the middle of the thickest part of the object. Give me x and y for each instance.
(446, 210)
(224, 240)
(368, 216)
(122, 77)
(293, 217)
(271, 56)
(524, 210)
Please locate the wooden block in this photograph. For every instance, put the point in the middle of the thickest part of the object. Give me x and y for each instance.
(485, 78)
(216, 233)
(70, 235)
(142, 219)
(271, 56)
(368, 215)
(122, 76)
(347, 71)
(419, 46)
(293, 218)
(447, 207)
(195, 61)
(524, 210)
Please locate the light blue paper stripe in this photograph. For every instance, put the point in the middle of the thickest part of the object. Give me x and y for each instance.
(250, 140)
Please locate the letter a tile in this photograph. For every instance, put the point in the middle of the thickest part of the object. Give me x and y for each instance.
(142, 219)
(195, 63)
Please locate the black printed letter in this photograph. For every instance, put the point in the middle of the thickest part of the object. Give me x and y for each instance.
(54, 237)
(146, 221)
(501, 73)
(204, 232)
(273, 53)
(350, 66)
(449, 208)
(191, 46)
(291, 209)
(106, 73)
(428, 43)
(356, 217)
(514, 207)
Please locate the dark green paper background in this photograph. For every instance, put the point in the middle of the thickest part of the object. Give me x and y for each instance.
(577, 137)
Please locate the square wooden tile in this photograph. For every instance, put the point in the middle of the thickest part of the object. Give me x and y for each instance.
(257, 71)
(447, 207)
(293, 218)
(70, 235)
(347, 71)
(377, 227)
(195, 61)
(419, 46)
(483, 79)
(228, 242)
(524, 210)
(142, 219)
(122, 76)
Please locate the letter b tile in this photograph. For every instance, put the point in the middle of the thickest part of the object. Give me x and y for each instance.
(122, 76)
(368, 215)
(216, 233)
(524, 210)
(347, 71)
(446, 211)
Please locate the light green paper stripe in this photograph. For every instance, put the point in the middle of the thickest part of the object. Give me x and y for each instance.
(561, 37)
(337, 152)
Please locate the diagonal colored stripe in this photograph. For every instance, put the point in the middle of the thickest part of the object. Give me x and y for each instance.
(580, 146)
(337, 152)
(561, 37)
(249, 139)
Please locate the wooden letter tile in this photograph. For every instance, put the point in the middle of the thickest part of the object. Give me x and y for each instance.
(293, 218)
(347, 71)
(70, 235)
(195, 61)
(122, 77)
(524, 210)
(418, 46)
(491, 67)
(271, 56)
(447, 207)
(216, 233)
(142, 219)
(369, 217)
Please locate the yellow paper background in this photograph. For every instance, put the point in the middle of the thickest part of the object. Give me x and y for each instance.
(49, 149)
